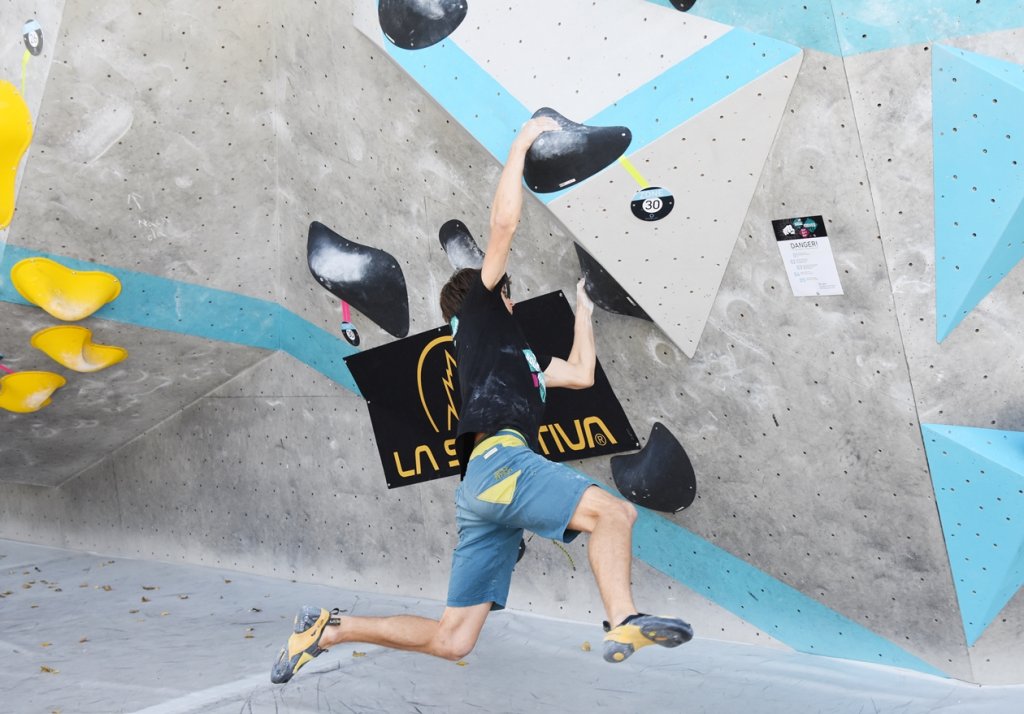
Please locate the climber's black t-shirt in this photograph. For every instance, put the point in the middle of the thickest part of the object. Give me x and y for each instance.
(501, 380)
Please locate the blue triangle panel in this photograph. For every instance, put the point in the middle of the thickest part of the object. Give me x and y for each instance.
(865, 27)
(978, 477)
(852, 27)
(978, 146)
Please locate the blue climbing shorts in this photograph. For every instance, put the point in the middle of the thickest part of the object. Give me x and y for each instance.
(508, 489)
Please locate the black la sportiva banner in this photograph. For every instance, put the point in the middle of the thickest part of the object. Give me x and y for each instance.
(412, 391)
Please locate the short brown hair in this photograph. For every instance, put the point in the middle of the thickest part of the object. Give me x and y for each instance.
(455, 291)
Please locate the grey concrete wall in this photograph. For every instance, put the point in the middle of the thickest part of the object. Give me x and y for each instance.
(154, 147)
(974, 377)
(94, 414)
(30, 79)
(801, 415)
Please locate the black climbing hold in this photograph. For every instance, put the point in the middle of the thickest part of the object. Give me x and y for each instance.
(559, 159)
(415, 24)
(368, 279)
(603, 289)
(683, 5)
(459, 246)
(522, 550)
(659, 476)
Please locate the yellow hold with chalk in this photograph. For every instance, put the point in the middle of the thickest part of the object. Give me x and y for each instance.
(15, 136)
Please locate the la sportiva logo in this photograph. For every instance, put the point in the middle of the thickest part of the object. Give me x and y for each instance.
(435, 381)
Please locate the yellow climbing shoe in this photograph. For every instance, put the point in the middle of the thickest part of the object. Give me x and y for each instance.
(304, 643)
(640, 630)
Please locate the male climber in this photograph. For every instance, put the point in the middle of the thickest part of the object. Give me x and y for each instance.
(507, 486)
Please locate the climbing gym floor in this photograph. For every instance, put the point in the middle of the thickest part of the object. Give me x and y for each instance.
(88, 633)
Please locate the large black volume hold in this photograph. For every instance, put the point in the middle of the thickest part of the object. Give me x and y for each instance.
(415, 24)
(660, 476)
(559, 159)
(368, 279)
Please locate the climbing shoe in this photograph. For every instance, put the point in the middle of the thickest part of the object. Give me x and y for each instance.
(304, 643)
(640, 630)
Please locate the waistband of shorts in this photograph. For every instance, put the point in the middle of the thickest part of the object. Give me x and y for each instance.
(502, 437)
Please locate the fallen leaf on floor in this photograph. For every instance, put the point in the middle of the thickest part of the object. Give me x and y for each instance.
(226, 580)
(183, 597)
(164, 613)
(83, 640)
(84, 585)
(132, 612)
(358, 654)
(145, 599)
(48, 670)
(45, 644)
(585, 646)
(462, 663)
(150, 587)
(106, 588)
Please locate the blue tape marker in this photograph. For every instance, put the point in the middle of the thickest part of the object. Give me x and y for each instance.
(856, 27)
(751, 594)
(467, 92)
(758, 598)
(690, 87)
(862, 29)
(163, 304)
(493, 116)
(695, 84)
(804, 23)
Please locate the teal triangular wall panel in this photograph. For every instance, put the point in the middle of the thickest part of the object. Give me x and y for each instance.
(978, 146)
(978, 477)
(852, 27)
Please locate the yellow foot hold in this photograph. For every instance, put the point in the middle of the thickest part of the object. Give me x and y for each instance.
(72, 347)
(15, 136)
(25, 392)
(64, 293)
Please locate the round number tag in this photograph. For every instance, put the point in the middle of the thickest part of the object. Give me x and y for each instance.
(652, 204)
(32, 33)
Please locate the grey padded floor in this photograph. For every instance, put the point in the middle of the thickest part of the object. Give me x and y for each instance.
(87, 633)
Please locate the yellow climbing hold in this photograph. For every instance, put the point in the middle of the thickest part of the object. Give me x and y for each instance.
(25, 392)
(64, 293)
(72, 347)
(15, 136)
